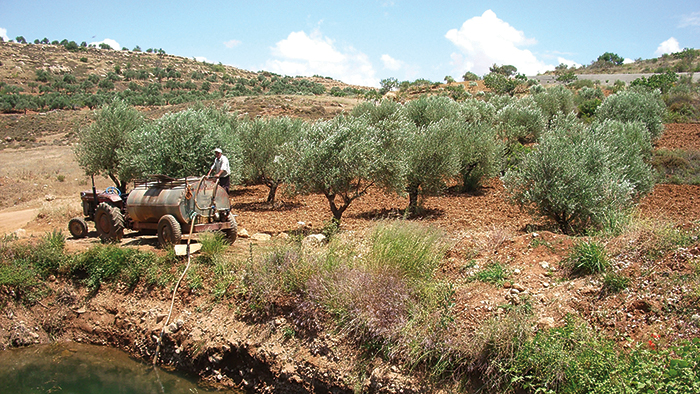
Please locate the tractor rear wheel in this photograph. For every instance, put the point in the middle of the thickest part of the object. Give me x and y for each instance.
(231, 233)
(169, 231)
(78, 227)
(109, 223)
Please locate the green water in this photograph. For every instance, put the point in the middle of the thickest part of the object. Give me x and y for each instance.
(73, 368)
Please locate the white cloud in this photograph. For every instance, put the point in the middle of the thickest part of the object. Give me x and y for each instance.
(232, 43)
(669, 46)
(3, 34)
(690, 20)
(628, 61)
(568, 62)
(486, 39)
(112, 43)
(200, 59)
(392, 64)
(302, 54)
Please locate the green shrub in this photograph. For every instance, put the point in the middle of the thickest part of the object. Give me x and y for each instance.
(663, 82)
(586, 93)
(521, 121)
(555, 101)
(480, 154)
(581, 83)
(587, 109)
(477, 111)
(635, 105)
(109, 263)
(588, 257)
(569, 359)
(579, 176)
(470, 76)
(214, 245)
(675, 369)
(18, 279)
(501, 84)
(389, 300)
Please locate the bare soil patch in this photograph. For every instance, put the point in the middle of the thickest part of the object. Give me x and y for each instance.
(680, 136)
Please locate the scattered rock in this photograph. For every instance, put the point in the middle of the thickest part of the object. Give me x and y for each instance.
(518, 287)
(20, 233)
(544, 265)
(49, 197)
(22, 336)
(314, 240)
(181, 250)
(545, 322)
(243, 233)
(262, 237)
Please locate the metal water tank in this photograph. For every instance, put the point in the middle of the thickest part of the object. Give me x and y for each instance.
(156, 197)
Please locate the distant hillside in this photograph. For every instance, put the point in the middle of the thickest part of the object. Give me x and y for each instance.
(44, 76)
(686, 61)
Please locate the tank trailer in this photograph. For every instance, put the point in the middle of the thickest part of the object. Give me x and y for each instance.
(158, 205)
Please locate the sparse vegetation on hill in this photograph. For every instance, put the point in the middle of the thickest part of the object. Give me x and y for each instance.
(34, 79)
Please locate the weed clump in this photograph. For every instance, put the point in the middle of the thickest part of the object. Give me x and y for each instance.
(588, 257)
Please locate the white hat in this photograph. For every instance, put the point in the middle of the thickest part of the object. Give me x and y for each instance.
(217, 150)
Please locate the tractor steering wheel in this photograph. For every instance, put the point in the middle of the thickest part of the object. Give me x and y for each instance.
(113, 190)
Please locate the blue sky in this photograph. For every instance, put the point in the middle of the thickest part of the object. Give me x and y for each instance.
(363, 42)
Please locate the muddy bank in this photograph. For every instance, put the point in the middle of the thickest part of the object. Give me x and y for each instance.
(211, 341)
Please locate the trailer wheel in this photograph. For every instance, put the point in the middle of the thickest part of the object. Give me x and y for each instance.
(78, 227)
(169, 231)
(231, 233)
(109, 223)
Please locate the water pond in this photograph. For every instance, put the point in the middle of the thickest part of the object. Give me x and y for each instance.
(74, 368)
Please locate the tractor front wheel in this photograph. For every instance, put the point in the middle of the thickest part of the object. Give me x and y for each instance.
(109, 223)
(78, 228)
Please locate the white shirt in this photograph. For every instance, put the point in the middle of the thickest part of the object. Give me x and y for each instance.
(221, 164)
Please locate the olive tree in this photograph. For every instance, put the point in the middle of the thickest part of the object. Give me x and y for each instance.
(261, 142)
(181, 144)
(554, 101)
(480, 154)
(582, 177)
(429, 147)
(99, 144)
(520, 121)
(635, 105)
(342, 158)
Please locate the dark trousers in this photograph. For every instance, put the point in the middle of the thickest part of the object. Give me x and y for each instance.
(225, 182)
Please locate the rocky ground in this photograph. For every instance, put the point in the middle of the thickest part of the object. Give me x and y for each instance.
(227, 349)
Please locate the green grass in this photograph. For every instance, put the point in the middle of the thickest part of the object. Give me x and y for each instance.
(615, 282)
(677, 166)
(494, 273)
(214, 245)
(588, 257)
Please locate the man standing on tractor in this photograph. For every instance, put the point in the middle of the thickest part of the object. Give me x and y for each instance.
(221, 169)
